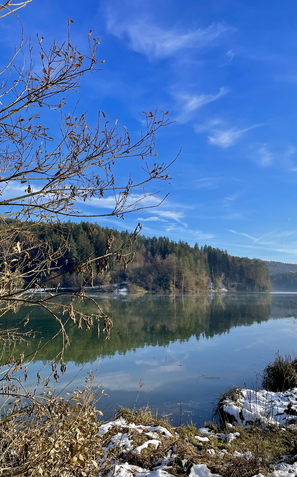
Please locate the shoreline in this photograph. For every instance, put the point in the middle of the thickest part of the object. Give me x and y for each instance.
(260, 445)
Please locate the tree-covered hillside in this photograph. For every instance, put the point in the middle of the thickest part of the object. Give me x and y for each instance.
(159, 265)
(280, 267)
(284, 282)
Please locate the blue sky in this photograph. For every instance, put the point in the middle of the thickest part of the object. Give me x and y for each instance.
(227, 73)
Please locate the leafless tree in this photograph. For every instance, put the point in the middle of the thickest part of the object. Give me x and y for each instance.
(46, 176)
(45, 179)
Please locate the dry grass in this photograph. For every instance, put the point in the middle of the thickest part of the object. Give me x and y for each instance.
(267, 444)
(266, 447)
(142, 416)
(61, 437)
(51, 436)
(281, 374)
(219, 414)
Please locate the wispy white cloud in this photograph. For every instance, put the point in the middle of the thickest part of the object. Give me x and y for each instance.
(207, 126)
(188, 103)
(254, 239)
(291, 151)
(166, 213)
(110, 201)
(206, 183)
(199, 235)
(232, 197)
(230, 55)
(289, 156)
(220, 135)
(290, 249)
(156, 42)
(276, 242)
(228, 137)
(191, 234)
(151, 219)
(227, 216)
(265, 156)
(170, 214)
(228, 200)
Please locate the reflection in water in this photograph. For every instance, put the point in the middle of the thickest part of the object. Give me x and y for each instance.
(148, 320)
(185, 349)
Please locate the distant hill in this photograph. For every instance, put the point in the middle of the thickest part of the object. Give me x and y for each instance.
(279, 267)
(283, 276)
(284, 282)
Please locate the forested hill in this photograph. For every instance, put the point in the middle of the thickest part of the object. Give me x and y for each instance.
(279, 267)
(160, 265)
(284, 282)
(283, 276)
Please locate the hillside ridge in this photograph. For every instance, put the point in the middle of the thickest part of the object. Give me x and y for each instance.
(275, 267)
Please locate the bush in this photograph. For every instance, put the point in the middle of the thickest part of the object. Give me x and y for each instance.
(52, 436)
(219, 415)
(281, 374)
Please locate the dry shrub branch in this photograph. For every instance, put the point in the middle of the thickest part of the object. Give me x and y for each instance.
(51, 436)
(45, 177)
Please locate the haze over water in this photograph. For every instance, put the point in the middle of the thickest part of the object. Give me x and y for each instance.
(172, 353)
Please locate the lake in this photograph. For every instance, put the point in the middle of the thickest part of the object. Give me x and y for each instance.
(174, 354)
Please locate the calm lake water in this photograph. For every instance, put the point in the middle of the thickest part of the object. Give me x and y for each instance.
(171, 352)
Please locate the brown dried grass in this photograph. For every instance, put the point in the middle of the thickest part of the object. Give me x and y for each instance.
(52, 436)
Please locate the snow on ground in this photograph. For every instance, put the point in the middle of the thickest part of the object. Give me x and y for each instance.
(153, 442)
(285, 470)
(198, 470)
(126, 470)
(250, 407)
(120, 422)
(202, 439)
(263, 406)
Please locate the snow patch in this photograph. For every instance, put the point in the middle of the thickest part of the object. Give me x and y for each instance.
(202, 439)
(263, 406)
(201, 470)
(127, 470)
(154, 442)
